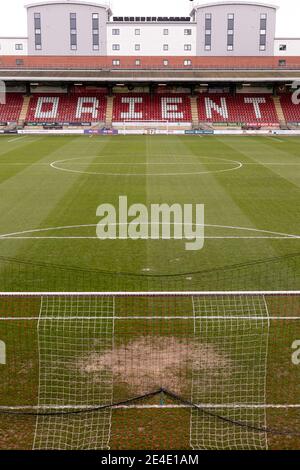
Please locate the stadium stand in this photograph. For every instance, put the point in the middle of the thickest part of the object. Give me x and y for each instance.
(156, 108)
(291, 111)
(67, 108)
(211, 108)
(10, 111)
(244, 108)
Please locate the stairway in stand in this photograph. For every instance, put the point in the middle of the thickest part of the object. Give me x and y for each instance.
(109, 111)
(279, 111)
(194, 108)
(24, 110)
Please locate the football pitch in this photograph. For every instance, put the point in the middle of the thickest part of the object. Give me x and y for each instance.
(51, 188)
(151, 369)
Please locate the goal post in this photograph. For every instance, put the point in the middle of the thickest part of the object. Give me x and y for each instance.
(147, 127)
(191, 370)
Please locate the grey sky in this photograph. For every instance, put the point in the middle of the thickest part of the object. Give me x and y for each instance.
(13, 17)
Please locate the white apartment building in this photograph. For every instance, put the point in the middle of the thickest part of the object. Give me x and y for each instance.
(151, 39)
(13, 46)
(76, 28)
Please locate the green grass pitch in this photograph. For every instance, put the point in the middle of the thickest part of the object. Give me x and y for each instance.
(50, 188)
(244, 183)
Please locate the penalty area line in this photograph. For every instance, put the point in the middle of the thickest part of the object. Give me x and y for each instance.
(149, 407)
(291, 237)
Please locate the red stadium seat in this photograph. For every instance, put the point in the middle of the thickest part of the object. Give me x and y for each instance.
(242, 108)
(144, 107)
(11, 110)
(67, 108)
(291, 110)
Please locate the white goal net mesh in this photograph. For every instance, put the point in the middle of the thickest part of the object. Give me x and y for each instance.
(69, 330)
(150, 371)
(235, 331)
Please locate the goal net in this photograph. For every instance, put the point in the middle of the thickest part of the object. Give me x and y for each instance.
(150, 371)
(145, 127)
(276, 274)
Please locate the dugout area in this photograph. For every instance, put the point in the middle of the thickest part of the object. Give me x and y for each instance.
(150, 371)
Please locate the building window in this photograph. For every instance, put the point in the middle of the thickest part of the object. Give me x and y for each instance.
(116, 32)
(166, 63)
(137, 47)
(37, 31)
(116, 47)
(263, 21)
(208, 29)
(96, 40)
(37, 21)
(230, 22)
(166, 32)
(283, 47)
(73, 31)
(263, 42)
(116, 63)
(38, 41)
(208, 41)
(230, 32)
(137, 32)
(187, 47)
(166, 47)
(230, 41)
(187, 63)
(263, 32)
(73, 21)
(18, 47)
(282, 63)
(95, 21)
(73, 40)
(95, 31)
(187, 32)
(208, 21)
(137, 62)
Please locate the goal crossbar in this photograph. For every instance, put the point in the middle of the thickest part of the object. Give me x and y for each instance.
(152, 293)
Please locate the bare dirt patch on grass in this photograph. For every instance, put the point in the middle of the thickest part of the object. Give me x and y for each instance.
(149, 363)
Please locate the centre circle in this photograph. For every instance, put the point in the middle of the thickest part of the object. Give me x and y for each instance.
(72, 166)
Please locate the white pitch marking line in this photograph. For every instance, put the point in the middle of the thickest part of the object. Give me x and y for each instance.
(153, 163)
(274, 138)
(149, 407)
(146, 238)
(16, 235)
(150, 318)
(16, 139)
(152, 294)
(238, 166)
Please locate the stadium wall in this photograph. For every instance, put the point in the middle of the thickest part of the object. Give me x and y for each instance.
(41, 62)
